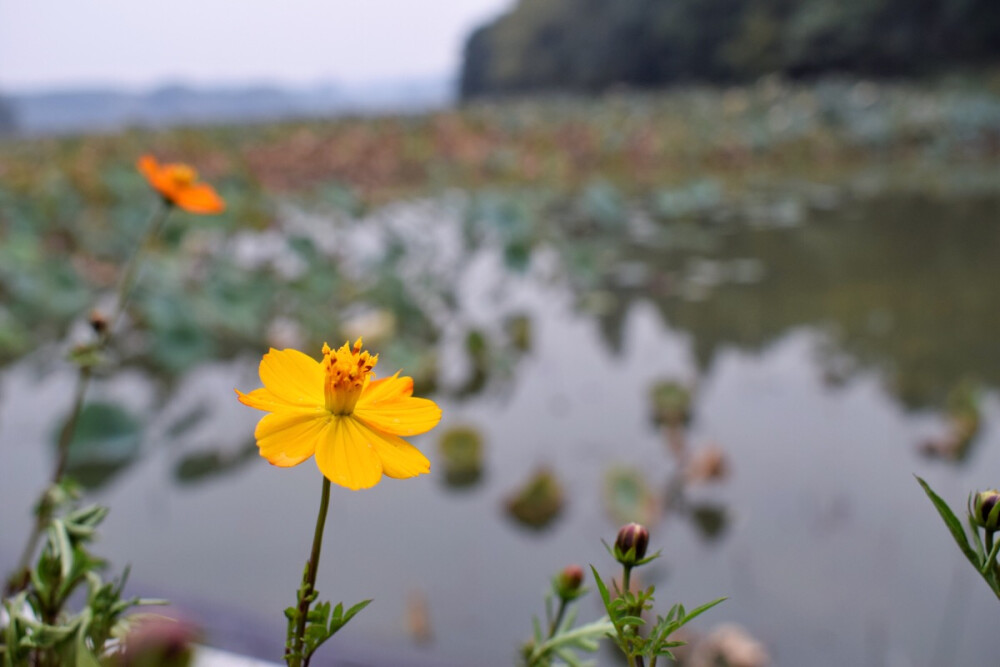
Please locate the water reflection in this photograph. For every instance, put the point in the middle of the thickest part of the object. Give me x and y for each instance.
(204, 465)
(538, 501)
(461, 455)
(106, 439)
(904, 284)
(964, 415)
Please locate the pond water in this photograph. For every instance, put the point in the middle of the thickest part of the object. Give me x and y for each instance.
(823, 347)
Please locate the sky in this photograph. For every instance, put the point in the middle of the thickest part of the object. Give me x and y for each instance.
(134, 44)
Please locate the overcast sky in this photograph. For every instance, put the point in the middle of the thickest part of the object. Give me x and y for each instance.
(137, 44)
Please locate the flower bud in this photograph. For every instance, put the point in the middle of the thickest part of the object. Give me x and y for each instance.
(631, 543)
(567, 583)
(159, 642)
(98, 322)
(983, 508)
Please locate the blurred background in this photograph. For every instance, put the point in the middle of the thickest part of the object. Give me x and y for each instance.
(725, 267)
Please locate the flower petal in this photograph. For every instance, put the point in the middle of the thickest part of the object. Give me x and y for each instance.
(388, 405)
(199, 198)
(400, 459)
(288, 438)
(148, 167)
(387, 389)
(263, 399)
(293, 377)
(347, 457)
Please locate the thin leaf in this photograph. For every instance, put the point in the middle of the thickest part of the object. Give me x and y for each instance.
(630, 620)
(702, 609)
(584, 638)
(954, 525)
(352, 612)
(974, 529)
(58, 532)
(601, 587)
(988, 562)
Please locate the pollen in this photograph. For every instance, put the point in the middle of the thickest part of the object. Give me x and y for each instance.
(182, 175)
(347, 370)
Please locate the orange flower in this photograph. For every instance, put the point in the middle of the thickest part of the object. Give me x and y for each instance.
(178, 185)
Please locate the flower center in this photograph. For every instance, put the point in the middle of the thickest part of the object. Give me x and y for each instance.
(347, 370)
(181, 175)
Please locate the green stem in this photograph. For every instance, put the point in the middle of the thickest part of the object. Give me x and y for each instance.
(637, 660)
(991, 562)
(125, 284)
(293, 655)
(559, 617)
(626, 585)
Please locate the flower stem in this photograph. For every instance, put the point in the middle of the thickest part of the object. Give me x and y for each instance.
(293, 654)
(125, 284)
(994, 566)
(559, 617)
(44, 509)
(626, 586)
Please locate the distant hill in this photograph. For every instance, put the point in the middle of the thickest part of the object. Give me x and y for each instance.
(591, 45)
(103, 110)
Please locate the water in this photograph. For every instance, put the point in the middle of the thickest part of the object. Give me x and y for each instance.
(820, 346)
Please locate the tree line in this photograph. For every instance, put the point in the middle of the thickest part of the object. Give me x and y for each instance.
(590, 45)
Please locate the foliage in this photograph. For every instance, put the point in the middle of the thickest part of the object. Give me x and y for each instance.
(38, 628)
(625, 610)
(983, 556)
(562, 640)
(591, 45)
(321, 624)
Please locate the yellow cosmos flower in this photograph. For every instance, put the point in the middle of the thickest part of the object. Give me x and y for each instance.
(336, 410)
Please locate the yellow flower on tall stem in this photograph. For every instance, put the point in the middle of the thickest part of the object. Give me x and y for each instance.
(335, 410)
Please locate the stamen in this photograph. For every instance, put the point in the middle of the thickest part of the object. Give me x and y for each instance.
(347, 371)
(181, 174)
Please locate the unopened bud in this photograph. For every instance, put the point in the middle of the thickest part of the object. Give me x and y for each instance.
(160, 642)
(985, 510)
(98, 322)
(567, 583)
(630, 546)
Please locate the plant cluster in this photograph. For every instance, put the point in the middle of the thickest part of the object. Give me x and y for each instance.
(624, 623)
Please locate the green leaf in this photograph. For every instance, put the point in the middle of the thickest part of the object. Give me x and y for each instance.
(974, 529)
(59, 540)
(602, 588)
(953, 524)
(584, 638)
(353, 611)
(990, 558)
(702, 609)
(536, 628)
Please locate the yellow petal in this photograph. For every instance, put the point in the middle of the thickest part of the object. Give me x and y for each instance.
(399, 458)
(262, 399)
(346, 457)
(293, 377)
(388, 405)
(287, 438)
(387, 389)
